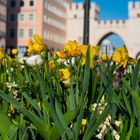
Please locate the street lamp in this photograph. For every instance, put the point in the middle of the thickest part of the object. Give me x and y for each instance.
(86, 22)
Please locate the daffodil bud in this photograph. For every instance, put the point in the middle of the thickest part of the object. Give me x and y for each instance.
(55, 56)
(65, 50)
(43, 54)
(15, 51)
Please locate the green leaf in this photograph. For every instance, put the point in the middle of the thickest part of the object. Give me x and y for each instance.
(4, 126)
(32, 102)
(78, 123)
(136, 98)
(94, 84)
(62, 121)
(86, 71)
(127, 103)
(135, 134)
(72, 98)
(134, 76)
(129, 134)
(42, 85)
(99, 120)
(68, 117)
(124, 130)
(108, 136)
(113, 112)
(26, 73)
(12, 133)
(38, 122)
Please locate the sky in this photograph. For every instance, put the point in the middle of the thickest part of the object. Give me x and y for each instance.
(112, 9)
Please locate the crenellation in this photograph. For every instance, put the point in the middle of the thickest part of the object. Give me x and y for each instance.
(80, 6)
(130, 5)
(111, 22)
(134, 5)
(76, 11)
(76, 6)
(137, 5)
(134, 9)
(95, 7)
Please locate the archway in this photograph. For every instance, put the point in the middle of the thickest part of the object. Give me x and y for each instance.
(113, 37)
(109, 42)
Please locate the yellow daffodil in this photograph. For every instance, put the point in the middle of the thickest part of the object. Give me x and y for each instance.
(2, 59)
(122, 58)
(64, 74)
(84, 122)
(38, 40)
(104, 57)
(1, 53)
(30, 46)
(36, 46)
(61, 54)
(14, 51)
(51, 65)
(94, 52)
(72, 48)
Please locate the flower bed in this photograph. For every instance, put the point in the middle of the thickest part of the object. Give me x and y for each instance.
(74, 95)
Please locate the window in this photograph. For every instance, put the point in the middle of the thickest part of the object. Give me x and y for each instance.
(21, 4)
(31, 3)
(12, 17)
(12, 33)
(21, 17)
(31, 33)
(75, 16)
(12, 3)
(31, 17)
(21, 33)
(22, 50)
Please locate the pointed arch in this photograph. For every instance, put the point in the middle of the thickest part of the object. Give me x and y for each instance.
(107, 35)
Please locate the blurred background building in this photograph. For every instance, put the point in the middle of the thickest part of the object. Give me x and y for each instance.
(128, 30)
(3, 13)
(47, 18)
(57, 21)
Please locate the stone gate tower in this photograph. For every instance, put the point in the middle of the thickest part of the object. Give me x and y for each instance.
(128, 30)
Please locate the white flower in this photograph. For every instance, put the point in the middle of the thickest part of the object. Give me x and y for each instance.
(66, 62)
(94, 106)
(116, 135)
(117, 123)
(102, 133)
(11, 85)
(35, 60)
(21, 60)
(67, 82)
(99, 136)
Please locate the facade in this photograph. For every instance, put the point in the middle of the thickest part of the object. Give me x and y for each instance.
(57, 21)
(3, 4)
(128, 30)
(47, 18)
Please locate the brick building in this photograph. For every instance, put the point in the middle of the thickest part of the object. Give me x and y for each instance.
(3, 4)
(46, 18)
